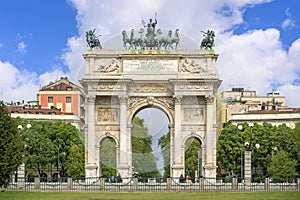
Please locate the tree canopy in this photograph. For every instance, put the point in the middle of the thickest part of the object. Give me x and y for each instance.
(143, 160)
(108, 157)
(50, 144)
(270, 139)
(164, 143)
(11, 147)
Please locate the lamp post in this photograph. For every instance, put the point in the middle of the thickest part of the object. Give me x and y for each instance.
(21, 168)
(240, 127)
(248, 169)
(58, 173)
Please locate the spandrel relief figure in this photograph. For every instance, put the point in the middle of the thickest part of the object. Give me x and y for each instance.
(114, 66)
(190, 66)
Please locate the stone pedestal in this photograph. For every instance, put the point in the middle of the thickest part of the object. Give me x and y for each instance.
(21, 176)
(247, 168)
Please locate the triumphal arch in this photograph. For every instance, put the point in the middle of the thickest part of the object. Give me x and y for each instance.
(119, 83)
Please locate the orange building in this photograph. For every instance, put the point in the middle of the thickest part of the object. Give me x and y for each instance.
(63, 95)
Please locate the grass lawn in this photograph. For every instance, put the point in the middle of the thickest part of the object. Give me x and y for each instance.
(153, 196)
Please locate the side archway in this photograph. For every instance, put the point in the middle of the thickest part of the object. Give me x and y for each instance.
(108, 155)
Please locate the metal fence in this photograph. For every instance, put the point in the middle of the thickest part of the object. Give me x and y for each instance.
(131, 184)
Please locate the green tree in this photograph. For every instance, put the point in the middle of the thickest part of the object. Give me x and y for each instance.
(51, 144)
(282, 167)
(11, 147)
(269, 137)
(164, 143)
(108, 157)
(67, 138)
(143, 160)
(296, 136)
(192, 148)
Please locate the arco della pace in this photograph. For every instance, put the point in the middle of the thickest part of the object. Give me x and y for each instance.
(180, 82)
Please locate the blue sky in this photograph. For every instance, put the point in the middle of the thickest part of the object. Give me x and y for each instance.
(42, 26)
(258, 41)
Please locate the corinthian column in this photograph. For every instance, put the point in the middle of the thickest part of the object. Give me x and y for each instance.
(210, 164)
(90, 145)
(177, 150)
(124, 137)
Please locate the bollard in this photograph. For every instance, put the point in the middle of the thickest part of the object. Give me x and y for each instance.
(234, 183)
(70, 183)
(21, 183)
(169, 180)
(102, 183)
(201, 183)
(135, 184)
(37, 183)
(267, 184)
(298, 183)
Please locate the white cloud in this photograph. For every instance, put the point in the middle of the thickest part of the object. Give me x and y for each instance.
(288, 22)
(19, 85)
(22, 47)
(15, 83)
(255, 60)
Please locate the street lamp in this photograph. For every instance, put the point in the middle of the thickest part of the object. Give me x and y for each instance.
(58, 174)
(248, 168)
(21, 169)
(240, 127)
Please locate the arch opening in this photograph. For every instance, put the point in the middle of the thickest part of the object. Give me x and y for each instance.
(108, 157)
(193, 158)
(150, 124)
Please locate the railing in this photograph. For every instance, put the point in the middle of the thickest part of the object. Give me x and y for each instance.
(130, 184)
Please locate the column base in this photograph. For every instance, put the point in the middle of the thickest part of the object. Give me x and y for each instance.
(210, 171)
(124, 170)
(91, 170)
(177, 170)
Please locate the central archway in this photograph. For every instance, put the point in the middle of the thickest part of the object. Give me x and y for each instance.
(155, 123)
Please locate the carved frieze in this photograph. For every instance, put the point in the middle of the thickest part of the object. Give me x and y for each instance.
(107, 115)
(150, 88)
(192, 87)
(106, 100)
(192, 128)
(107, 128)
(193, 114)
(109, 87)
(167, 102)
(190, 66)
(113, 67)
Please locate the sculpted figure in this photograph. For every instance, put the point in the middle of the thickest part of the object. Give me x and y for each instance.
(150, 26)
(208, 41)
(92, 40)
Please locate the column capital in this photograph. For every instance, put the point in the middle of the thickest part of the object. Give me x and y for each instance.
(209, 99)
(123, 99)
(91, 98)
(177, 99)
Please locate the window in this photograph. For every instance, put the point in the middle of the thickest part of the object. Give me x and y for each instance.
(68, 99)
(50, 99)
(69, 88)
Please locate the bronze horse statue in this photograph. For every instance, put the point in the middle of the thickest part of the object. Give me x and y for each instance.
(208, 41)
